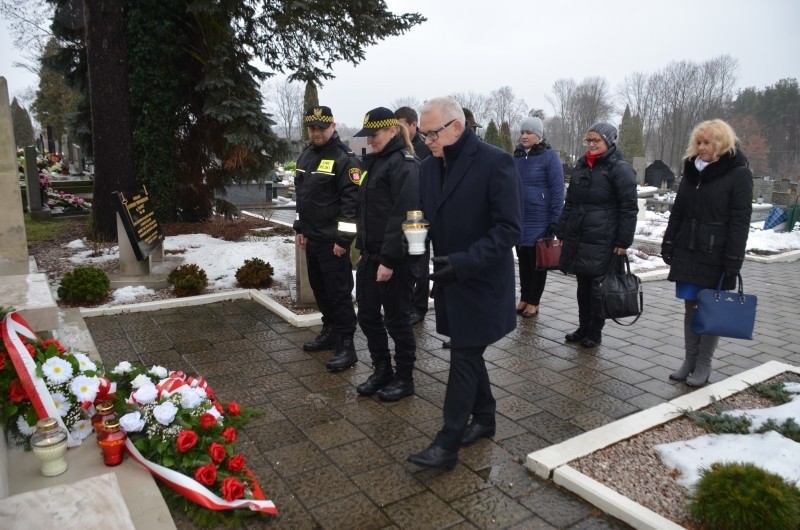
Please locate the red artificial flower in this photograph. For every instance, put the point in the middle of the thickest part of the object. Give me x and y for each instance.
(232, 489)
(207, 421)
(217, 452)
(31, 349)
(17, 394)
(47, 342)
(234, 409)
(186, 440)
(236, 464)
(229, 433)
(206, 475)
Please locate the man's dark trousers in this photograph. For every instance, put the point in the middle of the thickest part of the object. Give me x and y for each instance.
(331, 279)
(468, 393)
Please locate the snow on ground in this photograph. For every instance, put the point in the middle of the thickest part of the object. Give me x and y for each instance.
(656, 223)
(769, 451)
(221, 259)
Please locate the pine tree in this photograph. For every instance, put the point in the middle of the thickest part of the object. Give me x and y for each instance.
(492, 135)
(631, 138)
(310, 99)
(23, 128)
(506, 143)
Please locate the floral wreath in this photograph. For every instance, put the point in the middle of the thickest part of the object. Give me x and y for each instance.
(176, 426)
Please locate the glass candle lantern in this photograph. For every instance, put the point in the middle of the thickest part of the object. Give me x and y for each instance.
(415, 229)
(49, 444)
(112, 442)
(104, 411)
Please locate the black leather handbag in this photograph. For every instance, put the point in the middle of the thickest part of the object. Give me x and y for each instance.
(725, 313)
(619, 293)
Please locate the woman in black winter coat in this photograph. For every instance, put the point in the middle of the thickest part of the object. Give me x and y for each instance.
(707, 232)
(598, 220)
(384, 282)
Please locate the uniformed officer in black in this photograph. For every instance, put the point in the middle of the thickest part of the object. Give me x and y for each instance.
(389, 189)
(407, 117)
(326, 183)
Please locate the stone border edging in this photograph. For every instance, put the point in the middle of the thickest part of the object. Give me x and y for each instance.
(300, 321)
(552, 462)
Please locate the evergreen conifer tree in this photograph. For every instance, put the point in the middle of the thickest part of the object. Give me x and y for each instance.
(492, 135)
(310, 99)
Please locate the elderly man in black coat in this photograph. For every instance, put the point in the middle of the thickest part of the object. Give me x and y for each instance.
(470, 193)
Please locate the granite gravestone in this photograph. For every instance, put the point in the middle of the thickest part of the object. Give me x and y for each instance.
(138, 232)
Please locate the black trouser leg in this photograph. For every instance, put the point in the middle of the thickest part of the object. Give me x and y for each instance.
(394, 297)
(590, 322)
(331, 279)
(422, 289)
(527, 261)
(468, 393)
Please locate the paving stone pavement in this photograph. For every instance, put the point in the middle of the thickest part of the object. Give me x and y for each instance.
(332, 459)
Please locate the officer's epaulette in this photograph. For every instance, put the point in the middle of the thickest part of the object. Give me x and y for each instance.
(408, 155)
(346, 149)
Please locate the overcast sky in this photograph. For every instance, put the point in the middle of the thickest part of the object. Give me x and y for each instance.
(480, 46)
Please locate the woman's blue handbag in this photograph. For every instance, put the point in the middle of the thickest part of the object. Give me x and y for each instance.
(725, 313)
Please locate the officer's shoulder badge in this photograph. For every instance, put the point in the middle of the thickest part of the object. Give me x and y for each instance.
(355, 175)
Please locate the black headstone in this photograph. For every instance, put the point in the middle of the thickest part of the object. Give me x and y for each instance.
(139, 220)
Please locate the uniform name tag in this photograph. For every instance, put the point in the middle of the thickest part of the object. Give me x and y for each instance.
(326, 166)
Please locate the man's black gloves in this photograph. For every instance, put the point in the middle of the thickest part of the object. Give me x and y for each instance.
(443, 272)
(551, 230)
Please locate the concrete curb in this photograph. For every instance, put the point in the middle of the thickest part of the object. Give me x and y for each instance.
(301, 321)
(552, 462)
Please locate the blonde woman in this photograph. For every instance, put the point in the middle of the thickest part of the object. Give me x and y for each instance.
(707, 232)
(389, 189)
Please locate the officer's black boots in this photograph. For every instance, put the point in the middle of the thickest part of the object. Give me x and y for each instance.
(344, 357)
(326, 340)
(399, 388)
(381, 377)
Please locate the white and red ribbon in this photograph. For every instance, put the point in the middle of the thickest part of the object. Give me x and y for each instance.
(176, 381)
(196, 492)
(15, 326)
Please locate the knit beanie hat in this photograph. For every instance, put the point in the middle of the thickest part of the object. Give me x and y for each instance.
(607, 131)
(532, 124)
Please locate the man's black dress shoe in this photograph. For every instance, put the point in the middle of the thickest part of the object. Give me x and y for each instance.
(446, 344)
(476, 431)
(434, 457)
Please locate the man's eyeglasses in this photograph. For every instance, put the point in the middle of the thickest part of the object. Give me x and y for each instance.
(434, 135)
(587, 141)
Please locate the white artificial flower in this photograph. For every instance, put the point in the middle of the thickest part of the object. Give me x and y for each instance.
(165, 413)
(191, 398)
(158, 371)
(57, 370)
(146, 394)
(85, 388)
(82, 429)
(132, 422)
(140, 380)
(61, 403)
(85, 364)
(122, 368)
(24, 428)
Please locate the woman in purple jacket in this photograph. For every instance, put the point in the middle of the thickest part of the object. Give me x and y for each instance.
(542, 180)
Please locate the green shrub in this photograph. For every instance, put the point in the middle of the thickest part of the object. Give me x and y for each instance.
(255, 274)
(84, 285)
(735, 496)
(188, 280)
